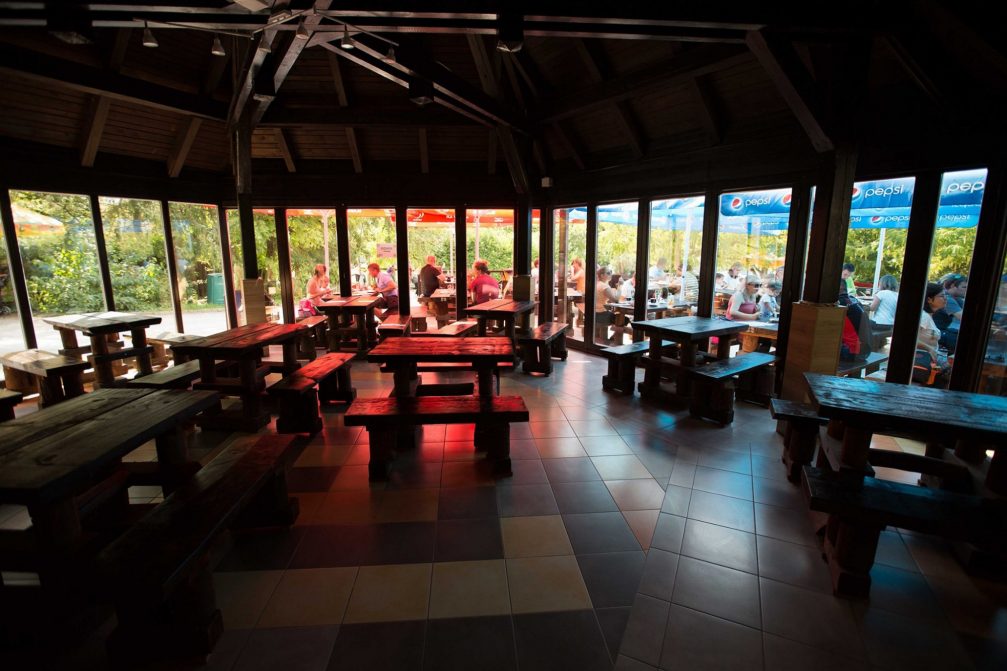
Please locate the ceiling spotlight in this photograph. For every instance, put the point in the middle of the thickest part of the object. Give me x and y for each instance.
(421, 91)
(217, 49)
(510, 32)
(347, 42)
(389, 56)
(148, 37)
(302, 30)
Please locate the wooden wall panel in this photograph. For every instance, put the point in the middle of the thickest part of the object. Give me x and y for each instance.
(211, 149)
(139, 131)
(39, 112)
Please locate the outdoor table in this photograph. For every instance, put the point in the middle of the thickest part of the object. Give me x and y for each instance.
(758, 331)
(98, 326)
(687, 332)
(506, 310)
(859, 408)
(244, 347)
(50, 457)
(343, 310)
(440, 302)
(624, 314)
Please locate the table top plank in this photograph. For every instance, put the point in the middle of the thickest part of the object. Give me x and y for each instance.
(681, 329)
(422, 349)
(226, 339)
(66, 462)
(102, 322)
(910, 410)
(488, 306)
(254, 341)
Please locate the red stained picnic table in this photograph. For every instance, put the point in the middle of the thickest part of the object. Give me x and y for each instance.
(244, 347)
(506, 310)
(403, 354)
(342, 311)
(98, 326)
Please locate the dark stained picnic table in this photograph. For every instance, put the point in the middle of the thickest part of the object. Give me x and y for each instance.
(344, 310)
(508, 311)
(403, 354)
(49, 457)
(243, 346)
(687, 332)
(98, 326)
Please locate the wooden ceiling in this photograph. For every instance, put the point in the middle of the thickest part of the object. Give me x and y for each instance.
(580, 96)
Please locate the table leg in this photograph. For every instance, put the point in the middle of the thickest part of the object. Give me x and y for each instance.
(207, 369)
(50, 390)
(724, 346)
(290, 356)
(69, 339)
(405, 379)
(143, 363)
(333, 332)
(99, 359)
(481, 329)
(73, 383)
(652, 373)
(511, 332)
(484, 380)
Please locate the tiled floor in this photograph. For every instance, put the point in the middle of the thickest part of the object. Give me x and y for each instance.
(629, 537)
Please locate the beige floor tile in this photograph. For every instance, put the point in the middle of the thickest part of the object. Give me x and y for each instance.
(348, 507)
(643, 523)
(542, 584)
(559, 448)
(307, 597)
(642, 494)
(242, 595)
(469, 589)
(390, 593)
(535, 536)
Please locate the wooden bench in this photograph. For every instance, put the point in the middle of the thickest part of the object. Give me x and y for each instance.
(622, 360)
(713, 393)
(858, 368)
(178, 376)
(315, 337)
(801, 437)
(418, 319)
(298, 398)
(456, 367)
(455, 330)
(393, 325)
(160, 571)
(540, 346)
(8, 400)
(385, 417)
(56, 377)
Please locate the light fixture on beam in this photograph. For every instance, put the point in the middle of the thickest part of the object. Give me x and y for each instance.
(389, 56)
(510, 32)
(217, 49)
(302, 30)
(148, 37)
(421, 91)
(347, 42)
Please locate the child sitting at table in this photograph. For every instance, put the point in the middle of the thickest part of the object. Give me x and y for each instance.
(768, 307)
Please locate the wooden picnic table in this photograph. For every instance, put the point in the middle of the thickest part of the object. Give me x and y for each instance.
(757, 331)
(343, 311)
(440, 302)
(98, 326)
(244, 347)
(506, 310)
(687, 332)
(858, 408)
(403, 354)
(50, 457)
(624, 310)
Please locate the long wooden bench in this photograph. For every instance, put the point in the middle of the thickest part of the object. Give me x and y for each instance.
(385, 418)
(298, 398)
(8, 400)
(540, 346)
(454, 330)
(801, 436)
(315, 337)
(714, 386)
(456, 367)
(160, 571)
(393, 325)
(860, 367)
(56, 377)
(622, 360)
(178, 376)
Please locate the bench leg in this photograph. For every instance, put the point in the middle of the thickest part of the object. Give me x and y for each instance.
(337, 388)
(382, 444)
(497, 442)
(712, 400)
(849, 550)
(50, 389)
(558, 347)
(299, 413)
(799, 447)
(272, 506)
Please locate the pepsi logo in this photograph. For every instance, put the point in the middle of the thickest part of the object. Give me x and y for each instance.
(964, 187)
(786, 200)
(736, 203)
(856, 190)
(877, 219)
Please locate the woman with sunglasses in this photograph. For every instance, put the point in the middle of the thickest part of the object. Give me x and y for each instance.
(744, 305)
(929, 355)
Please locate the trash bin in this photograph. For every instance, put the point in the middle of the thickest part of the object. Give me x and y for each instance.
(215, 288)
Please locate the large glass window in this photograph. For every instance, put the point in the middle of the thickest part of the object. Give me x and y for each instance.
(570, 241)
(264, 222)
(614, 279)
(489, 237)
(432, 252)
(751, 248)
(958, 209)
(195, 231)
(134, 240)
(372, 240)
(55, 234)
(312, 235)
(676, 243)
(11, 338)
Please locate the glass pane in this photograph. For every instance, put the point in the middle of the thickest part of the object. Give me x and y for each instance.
(751, 248)
(266, 255)
(950, 261)
(432, 262)
(56, 236)
(312, 235)
(676, 243)
(994, 374)
(489, 237)
(373, 241)
(134, 240)
(196, 234)
(11, 338)
(570, 240)
(614, 279)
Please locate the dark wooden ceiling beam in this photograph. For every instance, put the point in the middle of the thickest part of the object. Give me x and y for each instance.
(351, 141)
(697, 61)
(362, 117)
(570, 144)
(256, 55)
(74, 76)
(778, 58)
(491, 152)
(184, 139)
(337, 80)
(709, 110)
(94, 124)
(424, 152)
(286, 149)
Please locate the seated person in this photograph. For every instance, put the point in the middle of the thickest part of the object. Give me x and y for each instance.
(949, 319)
(856, 319)
(743, 305)
(685, 284)
(483, 287)
(604, 294)
(768, 307)
(386, 289)
(930, 358)
(886, 299)
(430, 279)
(627, 290)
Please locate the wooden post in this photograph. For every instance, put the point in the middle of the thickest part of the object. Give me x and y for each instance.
(547, 260)
(103, 267)
(642, 263)
(169, 255)
(243, 181)
(915, 269)
(708, 254)
(286, 274)
(403, 279)
(343, 252)
(227, 268)
(831, 219)
(16, 270)
(590, 277)
(522, 237)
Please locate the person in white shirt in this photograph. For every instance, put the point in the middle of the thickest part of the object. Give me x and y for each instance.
(627, 289)
(885, 301)
(928, 339)
(734, 280)
(657, 272)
